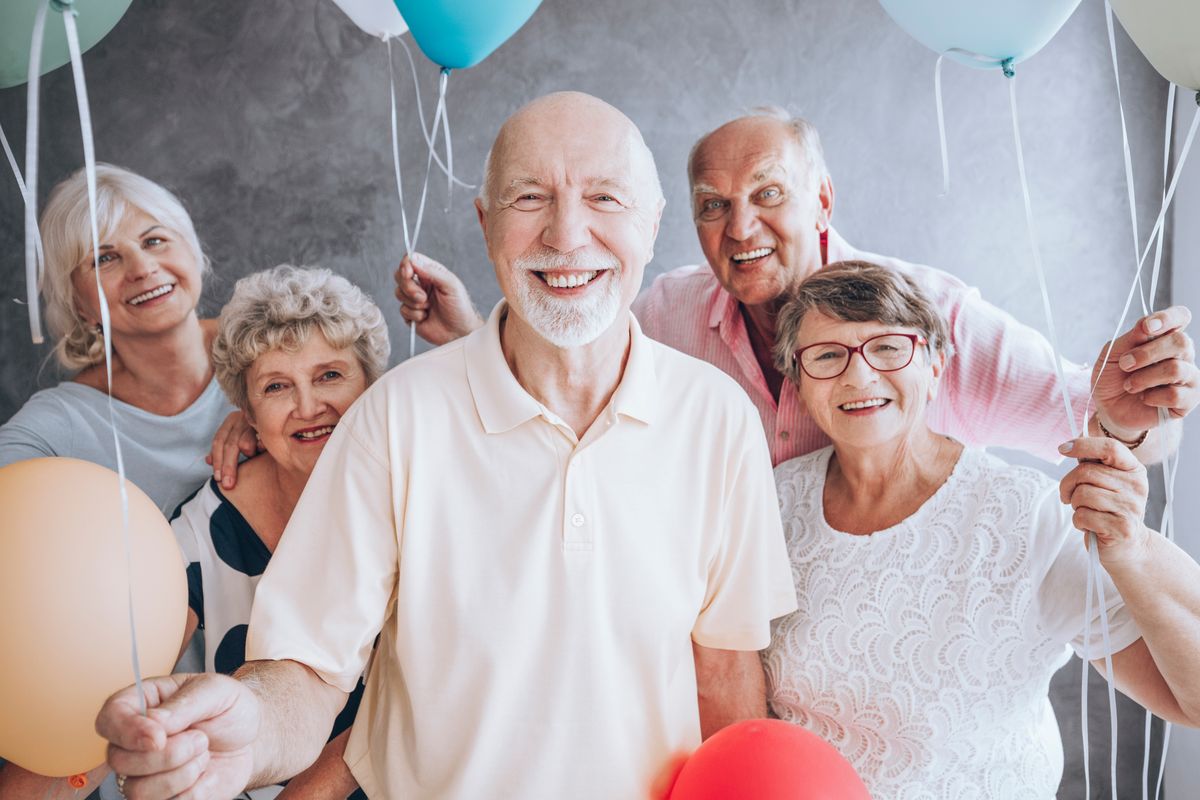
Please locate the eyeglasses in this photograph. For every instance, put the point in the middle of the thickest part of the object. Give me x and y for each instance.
(887, 352)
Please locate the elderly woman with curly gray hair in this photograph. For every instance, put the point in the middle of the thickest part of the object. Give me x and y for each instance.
(939, 588)
(294, 349)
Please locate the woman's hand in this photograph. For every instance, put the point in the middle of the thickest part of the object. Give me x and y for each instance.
(233, 437)
(1108, 491)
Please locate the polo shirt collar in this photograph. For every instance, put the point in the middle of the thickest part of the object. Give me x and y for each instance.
(722, 306)
(503, 404)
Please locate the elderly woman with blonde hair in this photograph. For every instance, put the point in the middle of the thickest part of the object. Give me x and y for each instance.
(939, 588)
(295, 348)
(167, 404)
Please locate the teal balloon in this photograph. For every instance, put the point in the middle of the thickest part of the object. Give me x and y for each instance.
(995, 30)
(94, 20)
(457, 34)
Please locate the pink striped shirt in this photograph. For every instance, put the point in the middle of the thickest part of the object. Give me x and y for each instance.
(999, 387)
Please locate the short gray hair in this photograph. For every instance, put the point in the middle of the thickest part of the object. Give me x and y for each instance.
(857, 291)
(803, 131)
(279, 308)
(67, 238)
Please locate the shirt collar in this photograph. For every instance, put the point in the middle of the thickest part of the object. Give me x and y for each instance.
(837, 249)
(503, 404)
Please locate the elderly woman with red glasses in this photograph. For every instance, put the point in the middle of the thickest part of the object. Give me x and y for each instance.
(939, 588)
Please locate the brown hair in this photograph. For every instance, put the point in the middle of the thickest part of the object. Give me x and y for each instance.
(857, 291)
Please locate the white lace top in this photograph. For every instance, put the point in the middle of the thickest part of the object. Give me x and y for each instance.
(924, 652)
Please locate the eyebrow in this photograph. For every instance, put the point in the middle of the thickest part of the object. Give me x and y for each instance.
(153, 227)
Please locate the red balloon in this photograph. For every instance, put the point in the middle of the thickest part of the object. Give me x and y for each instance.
(767, 759)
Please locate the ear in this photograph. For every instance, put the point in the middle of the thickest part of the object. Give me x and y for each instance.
(481, 212)
(937, 363)
(825, 202)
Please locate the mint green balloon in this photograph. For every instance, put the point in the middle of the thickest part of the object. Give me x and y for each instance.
(95, 19)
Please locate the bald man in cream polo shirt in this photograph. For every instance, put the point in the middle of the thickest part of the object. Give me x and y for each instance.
(564, 534)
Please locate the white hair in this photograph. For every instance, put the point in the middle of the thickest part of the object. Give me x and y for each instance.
(804, 133)
(279, 308)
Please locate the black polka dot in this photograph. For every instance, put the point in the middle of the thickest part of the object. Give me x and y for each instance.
(231, 652)
(236, 542)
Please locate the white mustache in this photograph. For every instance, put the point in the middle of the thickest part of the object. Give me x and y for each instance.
(550, 261)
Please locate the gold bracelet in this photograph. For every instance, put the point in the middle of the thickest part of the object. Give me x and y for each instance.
(1131, 445)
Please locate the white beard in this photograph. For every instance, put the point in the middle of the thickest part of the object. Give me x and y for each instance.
(569, 323)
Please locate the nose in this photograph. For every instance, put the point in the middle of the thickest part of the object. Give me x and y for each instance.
(309, 403)
(138, 264)
(742, 221)
(858, 372)
(567, 228)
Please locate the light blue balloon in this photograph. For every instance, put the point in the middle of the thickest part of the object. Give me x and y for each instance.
(457, 34)
(982, 33)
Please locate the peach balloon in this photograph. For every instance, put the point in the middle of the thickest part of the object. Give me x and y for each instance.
(64, 609)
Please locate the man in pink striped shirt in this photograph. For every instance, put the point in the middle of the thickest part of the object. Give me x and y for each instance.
(763, 203)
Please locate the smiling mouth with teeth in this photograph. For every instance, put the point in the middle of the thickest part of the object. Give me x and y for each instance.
(752, 255)
(137, 300)
(859, 405)
(313, 433)
(567, 280)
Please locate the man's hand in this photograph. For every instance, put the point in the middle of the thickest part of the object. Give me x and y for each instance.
(195, 742)
(1152, 366)
(233, 437)
(435, 300)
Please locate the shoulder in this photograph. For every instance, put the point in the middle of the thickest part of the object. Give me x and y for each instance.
(800, 476)
(678, 285)
(1009, 494)
(684, 376)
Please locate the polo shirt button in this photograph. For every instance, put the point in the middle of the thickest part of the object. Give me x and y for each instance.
(577, 520)
(784, 435)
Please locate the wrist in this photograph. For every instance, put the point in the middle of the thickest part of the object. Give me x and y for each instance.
(1130, 438)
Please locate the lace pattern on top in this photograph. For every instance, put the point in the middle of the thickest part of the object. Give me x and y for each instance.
(917, 650)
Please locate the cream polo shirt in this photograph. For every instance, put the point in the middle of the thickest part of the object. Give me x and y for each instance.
(536, 595)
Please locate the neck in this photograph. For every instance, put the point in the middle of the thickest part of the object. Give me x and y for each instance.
(286, 486)
(164, 371)
(575, 383)
(872, 488)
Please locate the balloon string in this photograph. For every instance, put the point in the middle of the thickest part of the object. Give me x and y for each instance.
(429, 134)
(1097, 570)
(33, 267)
(1162, 765)
(941, 120)
(1083, 688)
(396, 147)
(1155, 232)
(1129, 185)
(1037, 263)
(437, 118)
(1169, 129)
(32, 282)
(89, 160)
(1093, 563)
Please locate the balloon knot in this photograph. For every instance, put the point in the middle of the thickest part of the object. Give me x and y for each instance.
(446, 71)
(78, 781)
(1007, 66)
(64, 6)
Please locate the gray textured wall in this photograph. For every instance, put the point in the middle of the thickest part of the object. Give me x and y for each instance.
(270, 119)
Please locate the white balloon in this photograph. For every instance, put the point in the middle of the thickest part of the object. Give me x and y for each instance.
(379, 18)
(1168, 34)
